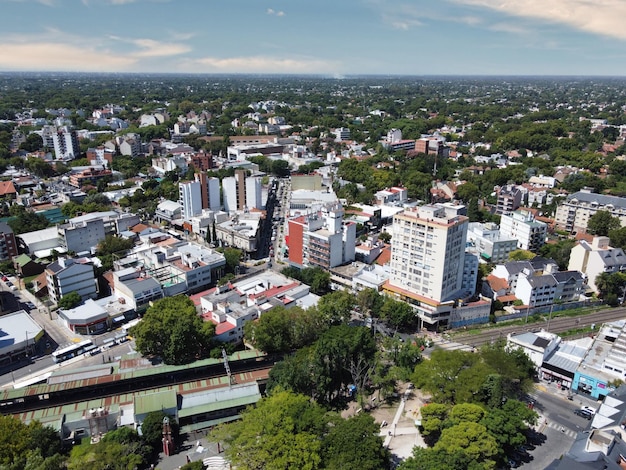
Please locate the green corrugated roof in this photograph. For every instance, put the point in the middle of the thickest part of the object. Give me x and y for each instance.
(207, 424)
(22, 260)
(155, 402)
(220, 405)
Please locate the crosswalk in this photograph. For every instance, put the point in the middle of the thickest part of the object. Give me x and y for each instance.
(567, 431)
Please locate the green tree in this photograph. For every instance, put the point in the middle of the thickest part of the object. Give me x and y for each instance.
(602, 222)
(172, 330)
(70, 300)
(439, 459)
(439, 375)
(355, 443)
(521, 255)
(283, 431)
(152, 429)
(233, 257)
(336, 307)
(473, 440)
(559, 252)
(618, 238)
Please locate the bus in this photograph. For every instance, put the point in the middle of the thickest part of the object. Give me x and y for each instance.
(71, 351)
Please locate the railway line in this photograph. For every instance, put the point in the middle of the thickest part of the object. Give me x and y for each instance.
(554, 325)
(43, 396)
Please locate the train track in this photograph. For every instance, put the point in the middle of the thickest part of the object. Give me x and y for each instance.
(554, 325)
(79, 394)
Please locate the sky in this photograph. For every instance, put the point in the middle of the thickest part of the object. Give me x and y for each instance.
(330, 38)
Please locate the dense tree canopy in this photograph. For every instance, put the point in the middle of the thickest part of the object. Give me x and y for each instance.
(288, 431)
(171, 329)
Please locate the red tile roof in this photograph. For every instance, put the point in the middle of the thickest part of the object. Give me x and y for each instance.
(7, 187)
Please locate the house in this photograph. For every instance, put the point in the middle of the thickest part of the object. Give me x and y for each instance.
(7, 190)
(595, 258)
(26, 267)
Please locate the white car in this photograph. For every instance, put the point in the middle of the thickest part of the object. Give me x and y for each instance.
(588, 410)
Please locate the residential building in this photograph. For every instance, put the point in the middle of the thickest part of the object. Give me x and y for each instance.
(67, 275)
(432, 145)
(164, 164)
(168, 211)
(177, 265)
(8, 244)
(26, 267)
(341, 134)
(7, 190)
(65, 144)
(392, 195)
(321, 238)
(510, 198)
(489, 243)
(136, 288)
(521, 225)
(429, 269)
(190, 198)
(88, 176)
(428, 250)
(574, 213)
(595, 258)
(81, 237)
(231, 306)
(241, 192)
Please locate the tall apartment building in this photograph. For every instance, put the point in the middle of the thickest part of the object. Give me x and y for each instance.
(428, 251)
(521, 225)
(574, 213)
(430, 269)
(65, 143)
(210, 191)
(321, 238)
(190, 198)
(241, 192)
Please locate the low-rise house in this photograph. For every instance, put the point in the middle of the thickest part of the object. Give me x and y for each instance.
(231, 306)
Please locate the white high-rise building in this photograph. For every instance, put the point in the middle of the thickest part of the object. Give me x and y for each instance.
(66, 146)
(241, 192)
(190, 198)
(428, 252)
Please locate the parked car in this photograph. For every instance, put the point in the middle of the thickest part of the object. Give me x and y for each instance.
(589, 410)
(31, 306)
(583, 413)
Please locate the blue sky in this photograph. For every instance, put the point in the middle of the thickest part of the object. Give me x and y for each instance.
(333, 38)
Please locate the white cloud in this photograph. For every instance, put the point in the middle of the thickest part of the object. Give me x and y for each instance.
(152, 48)
(261, 64)
(271, 11)
(602, 17)
(59, 56)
